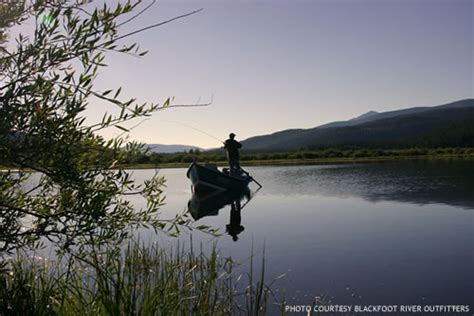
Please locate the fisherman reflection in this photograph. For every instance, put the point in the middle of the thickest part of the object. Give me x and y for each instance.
(234, 228)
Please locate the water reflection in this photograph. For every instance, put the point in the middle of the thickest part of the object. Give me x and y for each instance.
(381, 233)
(202, 205)
(416, 182)
(234, 227)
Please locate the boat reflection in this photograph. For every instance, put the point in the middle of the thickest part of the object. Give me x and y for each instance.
(201, 205)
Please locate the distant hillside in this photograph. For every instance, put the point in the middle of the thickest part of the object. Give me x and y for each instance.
(444, 125)
(369, 116)
(373, 116)
(169, 149)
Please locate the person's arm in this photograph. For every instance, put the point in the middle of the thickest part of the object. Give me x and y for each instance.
(239, 145)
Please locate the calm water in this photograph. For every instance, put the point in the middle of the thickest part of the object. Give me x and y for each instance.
(388, 233)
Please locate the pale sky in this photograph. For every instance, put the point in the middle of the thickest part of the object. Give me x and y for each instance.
(274, 65)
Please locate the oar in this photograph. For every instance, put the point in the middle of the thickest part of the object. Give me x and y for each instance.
(251, 197)
(251, 178)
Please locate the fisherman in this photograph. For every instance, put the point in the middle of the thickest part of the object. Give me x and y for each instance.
(232, 146)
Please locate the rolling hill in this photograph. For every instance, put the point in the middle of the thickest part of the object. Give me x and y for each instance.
(445, 125)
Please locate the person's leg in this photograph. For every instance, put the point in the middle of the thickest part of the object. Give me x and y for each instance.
(233, 167)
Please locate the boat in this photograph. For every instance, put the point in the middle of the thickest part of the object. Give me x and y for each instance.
(208, 178)
(202, 205)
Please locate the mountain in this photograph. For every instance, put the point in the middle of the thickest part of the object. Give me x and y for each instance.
(364, 116)
(419, 126)
(169, 149)
(371, 115)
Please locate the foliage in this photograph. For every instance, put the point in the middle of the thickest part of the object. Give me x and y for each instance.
(10, 13)
(301, 155)
(458, 134)
(144, 280)
(63, 182)
(46, 84)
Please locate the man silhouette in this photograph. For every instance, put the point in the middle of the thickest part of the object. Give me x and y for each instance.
(234, 227)
(232, 146)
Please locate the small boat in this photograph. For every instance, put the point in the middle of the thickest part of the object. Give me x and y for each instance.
(209, 178)
(202, 205)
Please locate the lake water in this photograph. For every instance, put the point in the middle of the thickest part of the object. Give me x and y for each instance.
(386, 233)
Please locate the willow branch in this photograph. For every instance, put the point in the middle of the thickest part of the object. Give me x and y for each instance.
(156, 25)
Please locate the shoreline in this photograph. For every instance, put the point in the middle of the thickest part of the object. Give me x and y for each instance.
(306, 162)
(294, 162)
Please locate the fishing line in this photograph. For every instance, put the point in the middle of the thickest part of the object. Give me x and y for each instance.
(134, 126)
(176, 122)
(194, 128)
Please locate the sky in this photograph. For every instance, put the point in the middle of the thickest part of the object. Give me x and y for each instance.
(275, 65)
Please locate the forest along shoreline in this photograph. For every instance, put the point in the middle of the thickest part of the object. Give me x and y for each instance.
(322, 157)
(326, 157)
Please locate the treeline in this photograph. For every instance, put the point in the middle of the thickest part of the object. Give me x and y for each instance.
(459, 134)
(219, 156)
(187, 157)
(402, 133)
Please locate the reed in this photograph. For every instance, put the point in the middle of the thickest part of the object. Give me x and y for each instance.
(139, 280)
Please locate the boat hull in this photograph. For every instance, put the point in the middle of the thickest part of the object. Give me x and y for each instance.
(205, 178)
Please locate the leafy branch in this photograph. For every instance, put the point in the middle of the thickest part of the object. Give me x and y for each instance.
(78, 189)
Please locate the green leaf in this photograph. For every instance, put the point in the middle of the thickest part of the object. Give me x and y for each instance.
(118, 92)
(122, 128)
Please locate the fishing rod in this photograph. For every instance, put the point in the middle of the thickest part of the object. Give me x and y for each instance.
(220, 140)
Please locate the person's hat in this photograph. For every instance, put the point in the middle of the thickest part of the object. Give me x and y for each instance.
(231, 135)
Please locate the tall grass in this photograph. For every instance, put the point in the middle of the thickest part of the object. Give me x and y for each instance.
(141, 280)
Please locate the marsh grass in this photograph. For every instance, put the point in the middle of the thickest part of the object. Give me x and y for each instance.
(140, 280)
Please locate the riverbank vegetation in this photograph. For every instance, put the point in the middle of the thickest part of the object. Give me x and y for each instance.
(142, 280)
(322, 156)
(150, 160)
(65, 186)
